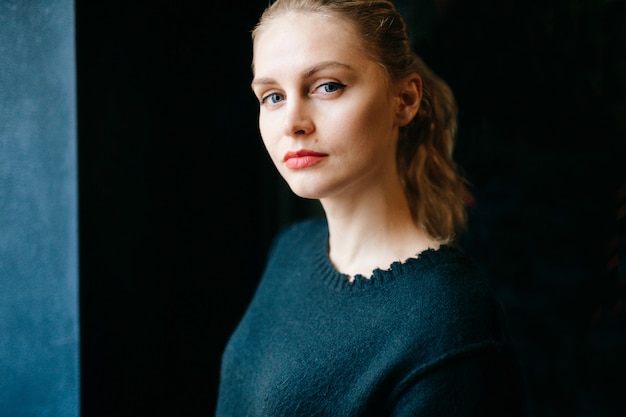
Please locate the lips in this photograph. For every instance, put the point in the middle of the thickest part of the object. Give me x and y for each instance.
(302, 159)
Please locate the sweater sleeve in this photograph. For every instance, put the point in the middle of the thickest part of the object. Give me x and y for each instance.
(478, 384)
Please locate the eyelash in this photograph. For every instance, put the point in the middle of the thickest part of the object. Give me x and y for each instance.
(266, 97)
(336, 85)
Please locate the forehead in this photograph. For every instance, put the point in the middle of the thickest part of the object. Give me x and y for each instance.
(299, 39)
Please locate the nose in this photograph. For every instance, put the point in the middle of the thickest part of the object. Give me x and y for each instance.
(298, 120)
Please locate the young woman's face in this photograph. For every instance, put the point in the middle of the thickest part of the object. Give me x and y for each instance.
(327, 113)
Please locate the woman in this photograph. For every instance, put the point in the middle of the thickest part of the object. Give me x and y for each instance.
(371, 310)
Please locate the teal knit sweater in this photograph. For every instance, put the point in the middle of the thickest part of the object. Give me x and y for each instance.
(415, 340)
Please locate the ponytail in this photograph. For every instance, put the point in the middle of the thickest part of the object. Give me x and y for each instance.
(435, 190)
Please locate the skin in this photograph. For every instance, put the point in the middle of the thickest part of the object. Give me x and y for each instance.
(319, 93)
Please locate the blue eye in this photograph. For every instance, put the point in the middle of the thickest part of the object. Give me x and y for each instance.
(273, 98)
(332, 87)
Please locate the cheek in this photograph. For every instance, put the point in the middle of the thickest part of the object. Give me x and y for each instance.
(265, 130)
(270, 135)
(370, 123)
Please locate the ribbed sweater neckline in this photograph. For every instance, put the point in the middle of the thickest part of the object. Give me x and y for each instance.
(411, 266)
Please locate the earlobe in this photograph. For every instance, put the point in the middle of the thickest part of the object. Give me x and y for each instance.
(410, 96)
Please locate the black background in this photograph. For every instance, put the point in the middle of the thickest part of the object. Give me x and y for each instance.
(179, 201)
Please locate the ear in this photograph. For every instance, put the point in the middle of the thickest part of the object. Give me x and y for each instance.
(409, 98)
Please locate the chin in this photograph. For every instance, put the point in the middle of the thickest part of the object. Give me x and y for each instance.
(306, 192)
(307, 186)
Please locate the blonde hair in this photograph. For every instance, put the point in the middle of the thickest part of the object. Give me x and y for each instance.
(433, 185)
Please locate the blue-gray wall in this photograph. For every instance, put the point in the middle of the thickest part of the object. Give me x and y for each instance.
(39, 340)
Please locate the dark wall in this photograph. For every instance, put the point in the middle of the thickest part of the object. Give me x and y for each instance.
(542, 95)
(39, 333)
(178, 200)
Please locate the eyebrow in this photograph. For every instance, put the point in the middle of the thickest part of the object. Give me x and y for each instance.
(309, 72)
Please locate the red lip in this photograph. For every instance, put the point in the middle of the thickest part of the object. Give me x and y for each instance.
(302, 159)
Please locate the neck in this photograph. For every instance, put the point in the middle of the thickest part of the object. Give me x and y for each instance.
(373, 234)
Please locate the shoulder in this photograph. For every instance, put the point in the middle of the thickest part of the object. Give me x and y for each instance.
(439, 270)
(459, 282)
(299, 239)
(445, 290)
(449, 269)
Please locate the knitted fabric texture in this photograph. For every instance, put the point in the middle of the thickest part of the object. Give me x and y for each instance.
(414, 340)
